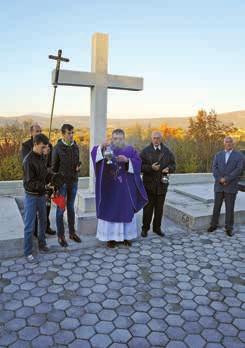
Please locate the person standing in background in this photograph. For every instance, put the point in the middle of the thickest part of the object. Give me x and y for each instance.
(157, 162)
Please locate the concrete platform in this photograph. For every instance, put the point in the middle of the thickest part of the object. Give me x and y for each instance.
(11, 243)
(192, 206)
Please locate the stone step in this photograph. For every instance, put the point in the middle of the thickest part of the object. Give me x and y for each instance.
(195, 214)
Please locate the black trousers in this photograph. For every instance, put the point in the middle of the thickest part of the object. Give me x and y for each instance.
(154, 206)
(229, 199)
(48, 220)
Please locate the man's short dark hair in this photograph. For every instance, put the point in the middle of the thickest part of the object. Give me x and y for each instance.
(65, 127)
(118, 131)
(40, 139)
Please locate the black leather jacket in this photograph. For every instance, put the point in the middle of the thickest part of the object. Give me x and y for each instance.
(151, 178)
(36, 175)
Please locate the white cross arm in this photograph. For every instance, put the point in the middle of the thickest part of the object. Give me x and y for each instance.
(90, 79)
(75, 78)
(125, 82)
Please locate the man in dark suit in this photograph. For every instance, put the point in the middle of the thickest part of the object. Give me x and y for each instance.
(227, 167)
(27, 147)
(157, 162)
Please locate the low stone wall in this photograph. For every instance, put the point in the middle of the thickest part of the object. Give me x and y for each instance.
(15, 188)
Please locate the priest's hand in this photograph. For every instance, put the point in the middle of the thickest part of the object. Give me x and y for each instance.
(105, 144)
(122, 158)
(156, 166)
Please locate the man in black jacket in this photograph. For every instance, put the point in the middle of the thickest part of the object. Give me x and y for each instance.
(35, 179)
(157, 162)
(26, 148)
(65, 160)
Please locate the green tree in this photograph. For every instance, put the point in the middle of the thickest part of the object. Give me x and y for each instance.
(207, 134)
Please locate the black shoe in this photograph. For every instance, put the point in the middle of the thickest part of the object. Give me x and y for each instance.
(159, 233)
(229, 232)
(212, 228)
(62, 241)
(43, 249)
(127, 242)
(75, 237)
(111, 244)
(50, 231)
(144, 233)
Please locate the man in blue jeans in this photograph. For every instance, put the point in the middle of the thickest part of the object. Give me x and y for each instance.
(35, 179)
(65, 161)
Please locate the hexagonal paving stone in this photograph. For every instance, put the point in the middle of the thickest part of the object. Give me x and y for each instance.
(158, 339)
(194, 341)
(107, 314)
(139, 330)
(138, 342)
(84, 332)
(101, 341)
(42, 341)
(28, 333)
(211, 335)
(123, 322)
(104, 327)
(64, 337)
(174, 320)
(15, 324)
(89, 319)
(120, 335)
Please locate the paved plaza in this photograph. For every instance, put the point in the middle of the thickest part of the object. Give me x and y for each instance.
(185, 290)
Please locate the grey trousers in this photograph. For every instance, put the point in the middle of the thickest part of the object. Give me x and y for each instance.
(229, 199)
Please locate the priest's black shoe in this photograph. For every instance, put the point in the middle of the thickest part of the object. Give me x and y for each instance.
(75, 237)
(144, 233)
(127, 242)
(111, 244)
(62, 241)
(229, 232)
(50, 231)
(159, 233)
(212, 228)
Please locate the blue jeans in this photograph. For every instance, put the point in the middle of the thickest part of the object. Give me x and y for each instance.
(34, 205)
(69, 191)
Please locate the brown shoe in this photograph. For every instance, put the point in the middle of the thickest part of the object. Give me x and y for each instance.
(111, 244)
(75, 237)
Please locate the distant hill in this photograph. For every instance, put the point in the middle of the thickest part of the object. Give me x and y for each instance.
(235, 117)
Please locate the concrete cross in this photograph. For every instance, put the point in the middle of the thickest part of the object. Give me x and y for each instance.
(99, 81)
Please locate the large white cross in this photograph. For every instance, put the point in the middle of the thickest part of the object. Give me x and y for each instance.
(99, 81)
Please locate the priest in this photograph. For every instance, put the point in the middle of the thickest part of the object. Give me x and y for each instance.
(120, 193)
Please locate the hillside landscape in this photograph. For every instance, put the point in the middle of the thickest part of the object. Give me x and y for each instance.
(235, 117)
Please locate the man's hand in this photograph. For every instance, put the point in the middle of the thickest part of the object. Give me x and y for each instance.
(49, 187)
(222, 181)
(122, 158)
(165, 170)
(78, 167)
(156, 166)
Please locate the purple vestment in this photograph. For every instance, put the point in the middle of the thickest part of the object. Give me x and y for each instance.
(119, 194)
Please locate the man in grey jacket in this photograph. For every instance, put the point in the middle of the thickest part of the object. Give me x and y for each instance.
(227, 167)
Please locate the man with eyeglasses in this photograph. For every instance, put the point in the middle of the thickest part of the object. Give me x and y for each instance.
(65, 160)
